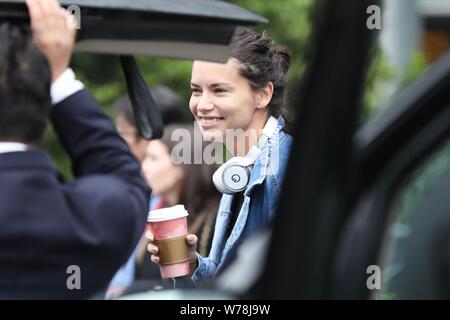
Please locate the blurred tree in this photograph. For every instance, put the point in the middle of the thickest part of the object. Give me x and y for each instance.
(379, 73)
(382, 72)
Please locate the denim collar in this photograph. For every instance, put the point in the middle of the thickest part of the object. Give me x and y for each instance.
(260, 168)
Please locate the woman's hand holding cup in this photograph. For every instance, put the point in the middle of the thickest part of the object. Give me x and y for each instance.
(172, 248)
(191, 240)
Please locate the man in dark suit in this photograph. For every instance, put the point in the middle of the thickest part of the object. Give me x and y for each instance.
(59, 240)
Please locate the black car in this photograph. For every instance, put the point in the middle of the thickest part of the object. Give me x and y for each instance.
(365, 211)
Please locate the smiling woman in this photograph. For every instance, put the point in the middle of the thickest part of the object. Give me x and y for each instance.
(243, 96)
(242, 93)
(223, 99)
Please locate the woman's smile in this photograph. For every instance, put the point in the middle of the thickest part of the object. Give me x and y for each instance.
(210, 122)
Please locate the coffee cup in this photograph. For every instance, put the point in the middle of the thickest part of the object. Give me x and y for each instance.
(169, 227)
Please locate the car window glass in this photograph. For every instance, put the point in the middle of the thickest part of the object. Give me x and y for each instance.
(405, 225)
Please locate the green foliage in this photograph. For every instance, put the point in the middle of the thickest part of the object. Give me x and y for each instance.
(417, 65)
(61, 159)
(378, 74)
(382, 72)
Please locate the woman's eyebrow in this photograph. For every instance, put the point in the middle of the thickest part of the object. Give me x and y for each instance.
(213, 85)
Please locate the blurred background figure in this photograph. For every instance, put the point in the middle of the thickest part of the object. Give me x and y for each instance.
(189, 184)
(173, 110)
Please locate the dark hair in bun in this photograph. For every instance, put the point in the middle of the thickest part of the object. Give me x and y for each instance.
(261, 62)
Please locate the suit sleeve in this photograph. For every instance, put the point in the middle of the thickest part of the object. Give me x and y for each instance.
(109, 190)
(91, 139)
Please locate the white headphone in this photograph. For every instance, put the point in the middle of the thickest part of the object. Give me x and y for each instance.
(233, 176)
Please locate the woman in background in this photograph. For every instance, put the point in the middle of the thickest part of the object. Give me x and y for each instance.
(188, 184)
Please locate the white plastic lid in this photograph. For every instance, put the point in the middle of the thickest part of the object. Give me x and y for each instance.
(165, 214)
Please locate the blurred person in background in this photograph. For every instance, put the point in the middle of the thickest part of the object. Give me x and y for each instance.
(176, 182)
(173, 110)
(172, 107)
(184, 183)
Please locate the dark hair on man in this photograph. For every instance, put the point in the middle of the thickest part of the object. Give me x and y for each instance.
(172, 108)
(261, 62)
(24, 86)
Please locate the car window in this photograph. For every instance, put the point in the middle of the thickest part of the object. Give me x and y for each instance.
(407, 257)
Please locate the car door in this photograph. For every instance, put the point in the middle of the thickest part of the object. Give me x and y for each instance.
(342, 184)
(403, 157)
(317, 195)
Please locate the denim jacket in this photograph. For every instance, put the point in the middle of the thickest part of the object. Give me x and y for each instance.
(257, 210)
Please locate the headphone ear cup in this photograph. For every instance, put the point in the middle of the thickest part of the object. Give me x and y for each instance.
(233, 176)
(217, 178)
